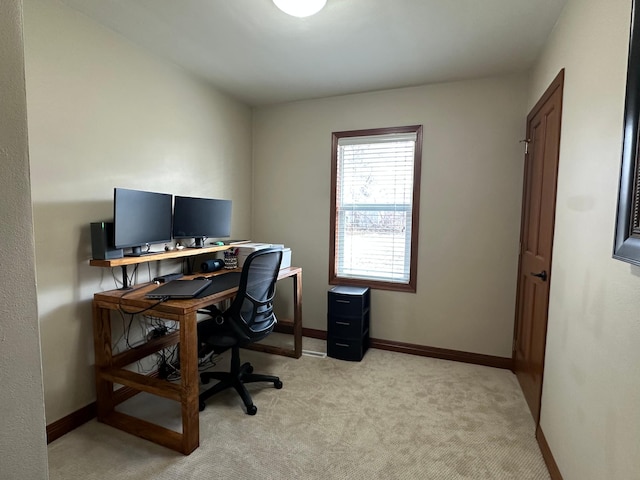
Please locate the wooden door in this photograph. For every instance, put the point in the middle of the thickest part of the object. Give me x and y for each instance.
(536, 241)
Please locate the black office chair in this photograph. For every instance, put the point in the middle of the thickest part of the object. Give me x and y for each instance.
(250, 318)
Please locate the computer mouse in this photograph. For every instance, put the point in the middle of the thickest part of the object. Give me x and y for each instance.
(201, 278)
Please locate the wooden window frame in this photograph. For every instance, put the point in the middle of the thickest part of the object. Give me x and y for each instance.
(411, 285)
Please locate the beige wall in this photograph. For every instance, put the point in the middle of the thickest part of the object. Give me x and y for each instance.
(469, 213)
(104, 114)
(591, 386)
(22, 433)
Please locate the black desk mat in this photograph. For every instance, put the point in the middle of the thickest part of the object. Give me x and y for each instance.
(220, 283)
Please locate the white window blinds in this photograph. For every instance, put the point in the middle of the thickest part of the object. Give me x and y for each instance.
(374, 192)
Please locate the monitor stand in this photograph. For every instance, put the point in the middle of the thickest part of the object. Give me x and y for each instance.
(137, 251)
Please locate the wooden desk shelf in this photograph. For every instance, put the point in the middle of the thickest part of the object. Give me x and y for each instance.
(152, 257)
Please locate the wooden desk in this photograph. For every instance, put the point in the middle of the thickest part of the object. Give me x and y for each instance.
(110, 368)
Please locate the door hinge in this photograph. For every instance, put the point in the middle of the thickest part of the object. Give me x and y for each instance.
(526, 142)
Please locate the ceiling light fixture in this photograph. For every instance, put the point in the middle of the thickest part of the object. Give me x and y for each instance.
(300, 8)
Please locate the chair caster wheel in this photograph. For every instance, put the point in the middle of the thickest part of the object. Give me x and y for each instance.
(252, 410)
(204, 379)
(277, 384)
(250, 369)
(201, 405)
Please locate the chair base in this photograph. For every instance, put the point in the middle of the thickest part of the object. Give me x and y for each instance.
(236, 378)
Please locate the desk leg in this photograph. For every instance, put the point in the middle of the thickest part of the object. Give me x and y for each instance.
(297, 314)
(103, 356)
(190, 383)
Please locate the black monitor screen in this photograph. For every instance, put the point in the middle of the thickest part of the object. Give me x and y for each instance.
(141, 218)
(201, 218)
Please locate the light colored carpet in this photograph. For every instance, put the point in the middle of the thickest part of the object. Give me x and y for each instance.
(391, 416)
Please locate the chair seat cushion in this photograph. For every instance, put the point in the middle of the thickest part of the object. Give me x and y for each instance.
(212, 333)
(222, 341)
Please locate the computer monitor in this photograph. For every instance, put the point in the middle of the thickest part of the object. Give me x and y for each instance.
(201, 218)
(140, 219)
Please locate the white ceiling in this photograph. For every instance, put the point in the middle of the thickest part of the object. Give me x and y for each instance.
(254, 52)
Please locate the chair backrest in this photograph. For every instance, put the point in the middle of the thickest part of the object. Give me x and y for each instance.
(251, 313)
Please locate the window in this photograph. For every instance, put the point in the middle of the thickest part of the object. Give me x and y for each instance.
(375, 195)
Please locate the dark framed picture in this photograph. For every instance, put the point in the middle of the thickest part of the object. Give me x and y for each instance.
(627, 235)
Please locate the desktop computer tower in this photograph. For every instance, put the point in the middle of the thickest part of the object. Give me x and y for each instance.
(102, 242)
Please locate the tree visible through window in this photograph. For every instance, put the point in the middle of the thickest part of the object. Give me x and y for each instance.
(374, 207)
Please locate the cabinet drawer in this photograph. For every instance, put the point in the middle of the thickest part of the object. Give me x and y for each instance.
(348, 301)
(346, 349)
(347, 327)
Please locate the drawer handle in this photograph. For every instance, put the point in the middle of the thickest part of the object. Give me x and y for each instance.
(342, 345)
(343, 323)
(343, 301)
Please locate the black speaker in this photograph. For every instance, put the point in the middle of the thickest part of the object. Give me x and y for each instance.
(102, 242)
(212, 265)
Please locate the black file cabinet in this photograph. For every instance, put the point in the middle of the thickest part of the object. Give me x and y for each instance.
(348, 322)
